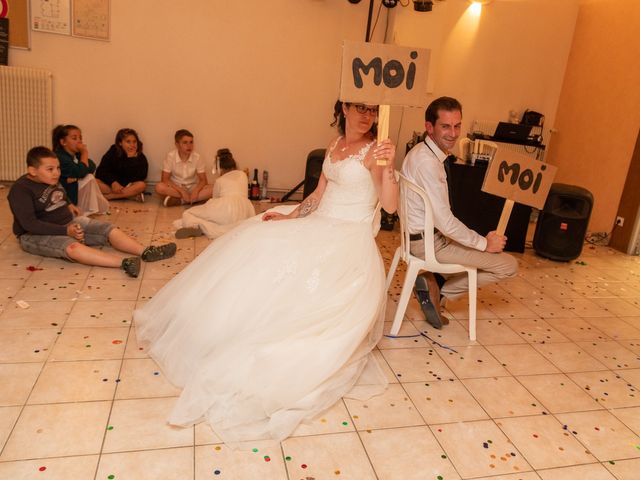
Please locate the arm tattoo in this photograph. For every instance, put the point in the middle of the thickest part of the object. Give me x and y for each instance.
(308, 206)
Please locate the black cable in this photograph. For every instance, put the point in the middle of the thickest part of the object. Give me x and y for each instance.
(376, 22)
(423, 334)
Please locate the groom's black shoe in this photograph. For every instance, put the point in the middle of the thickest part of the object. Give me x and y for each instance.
(427, 292)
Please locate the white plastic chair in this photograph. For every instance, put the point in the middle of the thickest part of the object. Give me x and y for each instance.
(465, 148)
(415, 264)
(484, 149)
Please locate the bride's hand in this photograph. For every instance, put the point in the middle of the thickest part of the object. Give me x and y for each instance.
(385, 150)
(273, 216)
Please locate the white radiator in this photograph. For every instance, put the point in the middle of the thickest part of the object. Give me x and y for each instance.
(26, 116)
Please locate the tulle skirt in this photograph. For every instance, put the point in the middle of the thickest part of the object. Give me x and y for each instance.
(217, 216)
(272, 324)
(90, 198)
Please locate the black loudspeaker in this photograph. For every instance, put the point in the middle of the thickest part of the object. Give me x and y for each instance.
(562, 224)
(313, 171)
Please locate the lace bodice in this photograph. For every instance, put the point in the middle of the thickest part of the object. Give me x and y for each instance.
(350, 193)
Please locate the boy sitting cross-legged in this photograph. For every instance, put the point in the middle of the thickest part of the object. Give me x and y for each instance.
(47, 224)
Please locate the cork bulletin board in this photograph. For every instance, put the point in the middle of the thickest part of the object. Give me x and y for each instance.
(17, 11)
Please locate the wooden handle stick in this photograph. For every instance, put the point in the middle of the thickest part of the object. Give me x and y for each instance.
(504, 217)
(383, 129)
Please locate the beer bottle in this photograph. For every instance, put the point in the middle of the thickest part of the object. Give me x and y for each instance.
(255, 186)
(265, 180)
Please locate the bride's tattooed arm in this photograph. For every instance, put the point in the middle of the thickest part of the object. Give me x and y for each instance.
(307, 206)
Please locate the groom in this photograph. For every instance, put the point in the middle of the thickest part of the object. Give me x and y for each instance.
(425, 166)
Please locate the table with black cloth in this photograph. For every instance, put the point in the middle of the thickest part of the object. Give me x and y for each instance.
(481, 211)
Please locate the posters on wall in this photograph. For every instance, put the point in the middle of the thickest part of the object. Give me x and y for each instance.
(91, 19)
(80, 18)
(52, 16)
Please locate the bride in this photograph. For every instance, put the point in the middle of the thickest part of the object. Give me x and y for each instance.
(275, 321)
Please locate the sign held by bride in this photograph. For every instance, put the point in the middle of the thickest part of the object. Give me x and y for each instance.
(381, 74)
(384, 75)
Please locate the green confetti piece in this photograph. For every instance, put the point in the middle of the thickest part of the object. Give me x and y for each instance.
(345, 423)
(254, 450)
(288, 459)
(110, 427)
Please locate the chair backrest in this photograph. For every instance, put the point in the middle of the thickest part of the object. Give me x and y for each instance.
(313, 171)
(465, 146)
(407, 189)
(486, 149)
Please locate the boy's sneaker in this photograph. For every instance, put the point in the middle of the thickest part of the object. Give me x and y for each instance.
(154, 253)
(170, 201)
(187, 232)
(131, 266)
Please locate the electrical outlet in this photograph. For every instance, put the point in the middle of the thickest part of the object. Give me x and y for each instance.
(620, 221)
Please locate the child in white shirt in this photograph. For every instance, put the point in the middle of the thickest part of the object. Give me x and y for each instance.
(184, 180)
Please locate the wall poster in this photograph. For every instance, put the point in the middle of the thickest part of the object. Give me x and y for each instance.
(91, 19)
(52, 16)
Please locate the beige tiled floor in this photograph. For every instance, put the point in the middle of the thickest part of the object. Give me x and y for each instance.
(549, 391)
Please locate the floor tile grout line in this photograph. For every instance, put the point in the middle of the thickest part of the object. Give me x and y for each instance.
(112, 402)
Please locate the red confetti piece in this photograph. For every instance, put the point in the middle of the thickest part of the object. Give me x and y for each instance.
(117, 342)
(31, 268)
(42, 469)
(304, 465)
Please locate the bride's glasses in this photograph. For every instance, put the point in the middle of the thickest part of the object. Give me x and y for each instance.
(360, 108)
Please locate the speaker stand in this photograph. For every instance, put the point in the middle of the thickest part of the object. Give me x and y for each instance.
(286, 196)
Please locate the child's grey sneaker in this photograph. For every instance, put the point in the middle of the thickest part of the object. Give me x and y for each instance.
(187, 232)
(131, 266)
(154, 253)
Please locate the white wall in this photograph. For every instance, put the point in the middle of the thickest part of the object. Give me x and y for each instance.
(511, 57)
(260, 77)
(598, 116)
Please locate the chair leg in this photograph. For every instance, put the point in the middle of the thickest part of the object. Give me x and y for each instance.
(392, 268)
(473, 300)
(407, 289)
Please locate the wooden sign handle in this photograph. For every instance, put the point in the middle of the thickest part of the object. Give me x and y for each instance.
(383, 129)
(504, 217)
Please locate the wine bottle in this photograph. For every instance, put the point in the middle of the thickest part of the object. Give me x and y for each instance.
(265, 180)
(255, 186)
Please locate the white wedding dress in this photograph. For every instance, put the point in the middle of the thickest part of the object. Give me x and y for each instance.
(275, 321)
(228, 206)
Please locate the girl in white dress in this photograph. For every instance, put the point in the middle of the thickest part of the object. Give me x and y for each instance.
(228, 206)
(276, 320)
